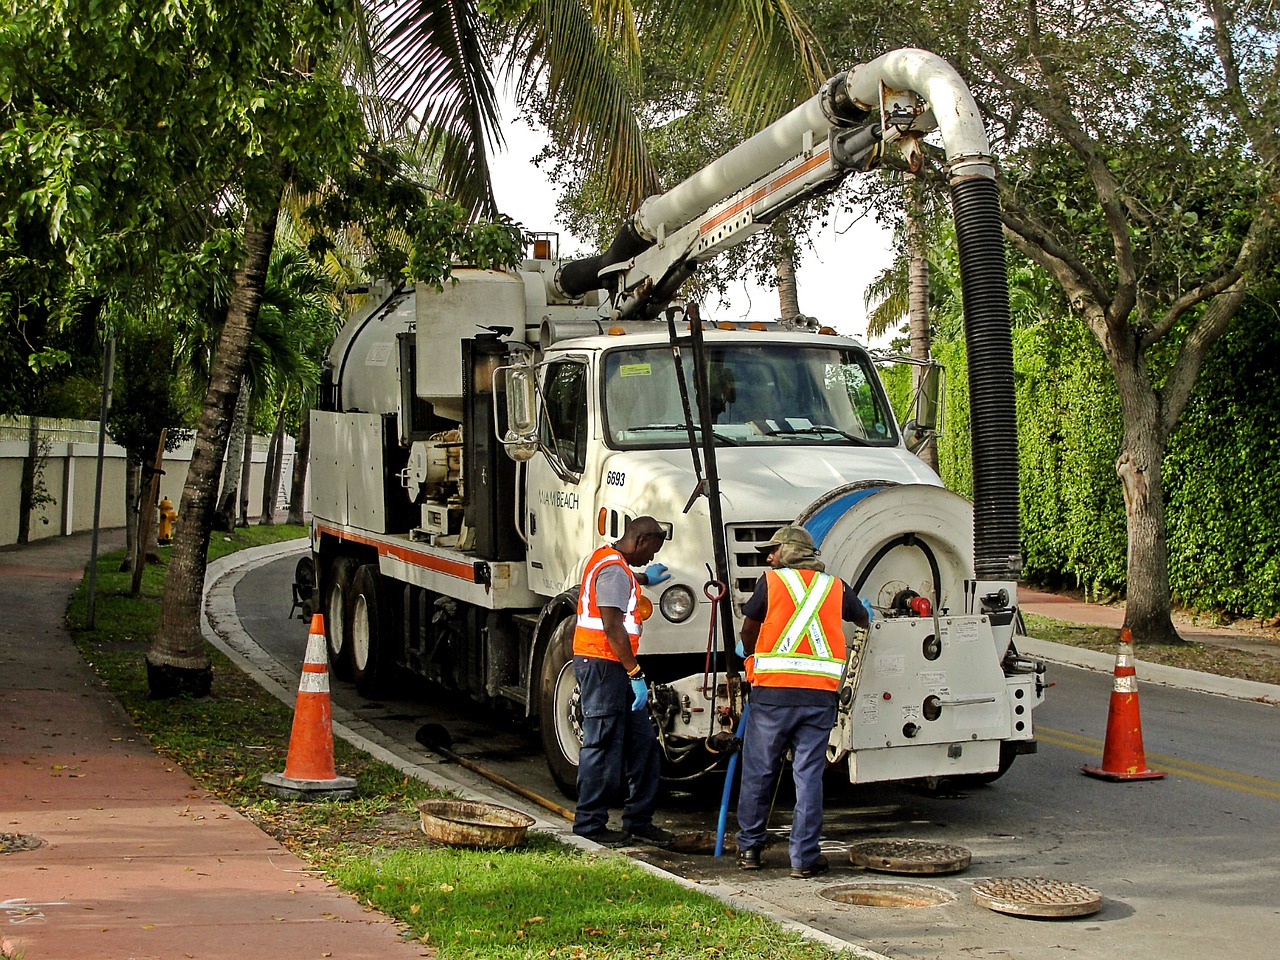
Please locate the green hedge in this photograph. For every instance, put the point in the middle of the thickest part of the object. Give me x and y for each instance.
(1222, 483)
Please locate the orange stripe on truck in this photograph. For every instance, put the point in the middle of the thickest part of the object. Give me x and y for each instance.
(452, 568)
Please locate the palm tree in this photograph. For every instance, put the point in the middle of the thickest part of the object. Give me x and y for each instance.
(434, 65)
(584, 59)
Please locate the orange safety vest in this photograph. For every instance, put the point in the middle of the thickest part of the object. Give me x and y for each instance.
(801, 642)
(589, 638)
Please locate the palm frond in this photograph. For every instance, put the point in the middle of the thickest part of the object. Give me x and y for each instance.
(589, 78)
(437, 67)
(759, 52)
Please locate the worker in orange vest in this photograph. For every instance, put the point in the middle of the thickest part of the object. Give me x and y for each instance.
(164, 535)
(618, 740)
(793, 642)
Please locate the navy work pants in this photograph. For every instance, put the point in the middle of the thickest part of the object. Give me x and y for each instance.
(619, 747)
(771, 729)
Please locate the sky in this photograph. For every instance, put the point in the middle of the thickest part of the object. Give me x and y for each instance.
(831, 278)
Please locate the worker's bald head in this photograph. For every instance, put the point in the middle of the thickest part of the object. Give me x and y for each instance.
(641, 539)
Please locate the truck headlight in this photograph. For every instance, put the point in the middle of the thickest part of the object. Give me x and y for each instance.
(677, 603)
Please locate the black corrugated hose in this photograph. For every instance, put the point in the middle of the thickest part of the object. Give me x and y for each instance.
(997, 542)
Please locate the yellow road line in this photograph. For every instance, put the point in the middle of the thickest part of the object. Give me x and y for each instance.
(1205, 773)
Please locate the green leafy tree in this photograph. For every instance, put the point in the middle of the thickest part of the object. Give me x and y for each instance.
(1153, 220)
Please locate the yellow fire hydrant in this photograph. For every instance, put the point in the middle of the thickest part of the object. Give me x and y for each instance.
(167, 515)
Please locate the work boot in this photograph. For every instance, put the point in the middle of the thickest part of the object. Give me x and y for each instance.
(654, 835)
(749, 859)
(817, 868)
(608, 838)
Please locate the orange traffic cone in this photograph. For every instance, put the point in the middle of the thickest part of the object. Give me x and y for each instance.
(1122, 755)
(308, 770)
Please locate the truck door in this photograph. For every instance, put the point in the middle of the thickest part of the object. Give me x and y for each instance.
(559, 490)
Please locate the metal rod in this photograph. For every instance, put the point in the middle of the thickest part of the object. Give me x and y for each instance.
(719, 549)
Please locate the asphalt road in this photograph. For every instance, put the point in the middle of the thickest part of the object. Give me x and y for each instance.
(1187, 866)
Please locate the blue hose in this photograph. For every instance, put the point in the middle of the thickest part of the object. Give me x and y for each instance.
(728, 783)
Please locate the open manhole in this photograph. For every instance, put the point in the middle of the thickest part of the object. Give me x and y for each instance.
(887, 895)
(1036, 897)
(908, 856)
(17, 842)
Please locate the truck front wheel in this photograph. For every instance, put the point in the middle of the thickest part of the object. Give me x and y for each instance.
(370, 661)
(560, 711)
(337, 594)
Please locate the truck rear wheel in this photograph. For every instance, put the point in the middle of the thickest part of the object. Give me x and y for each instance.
(560, 710)
(337, 593)
(370, 658)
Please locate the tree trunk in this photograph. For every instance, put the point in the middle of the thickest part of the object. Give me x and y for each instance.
(132, 482)
(225, 512)
(246, 471)
(274, 466)
(27, 494)
(177, 661)
(785, 250)
(1148, 599)
(918, 299)
(301, 455)
(147, 549)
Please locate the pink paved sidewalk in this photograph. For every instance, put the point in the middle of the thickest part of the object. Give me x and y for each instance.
(136, 859)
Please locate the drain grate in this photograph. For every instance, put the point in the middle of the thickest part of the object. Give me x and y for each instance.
(18, 842)
(908, 856)
(1036, 897)
(887, 894)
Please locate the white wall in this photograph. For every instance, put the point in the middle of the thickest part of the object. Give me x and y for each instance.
(69, 476)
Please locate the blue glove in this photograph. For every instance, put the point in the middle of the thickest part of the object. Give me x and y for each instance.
(739, 649)
(655, 573)
(866, 605)
(641, 690)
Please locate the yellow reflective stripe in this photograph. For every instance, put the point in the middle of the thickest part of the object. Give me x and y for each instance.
(808, 601)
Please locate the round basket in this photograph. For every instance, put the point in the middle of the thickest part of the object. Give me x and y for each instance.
(470, 823)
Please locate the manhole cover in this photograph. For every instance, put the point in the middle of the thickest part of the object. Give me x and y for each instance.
(17, 842)
(1036, 897)
(887, 895)
(908, 856)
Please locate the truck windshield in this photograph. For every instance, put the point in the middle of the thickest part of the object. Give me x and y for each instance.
(775, 394)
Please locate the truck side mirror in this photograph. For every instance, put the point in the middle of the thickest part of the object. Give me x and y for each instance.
(930, 387)
(926, 405)
(519, 439)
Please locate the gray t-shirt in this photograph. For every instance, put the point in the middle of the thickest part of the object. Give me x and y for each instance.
(613, 588)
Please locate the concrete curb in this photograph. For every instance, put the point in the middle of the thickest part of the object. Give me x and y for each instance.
(221, 627)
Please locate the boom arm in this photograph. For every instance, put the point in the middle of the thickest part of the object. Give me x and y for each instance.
(845, 128)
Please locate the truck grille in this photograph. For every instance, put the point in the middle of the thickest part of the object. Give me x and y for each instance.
(746, 561)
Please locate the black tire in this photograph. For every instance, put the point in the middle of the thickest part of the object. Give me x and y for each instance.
(371, 658)
(559, 710)
(304, 587)
(336, 600)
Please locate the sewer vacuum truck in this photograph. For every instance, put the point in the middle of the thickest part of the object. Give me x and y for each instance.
(474, 444)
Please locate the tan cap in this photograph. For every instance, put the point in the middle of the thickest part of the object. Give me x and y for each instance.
(792, 534)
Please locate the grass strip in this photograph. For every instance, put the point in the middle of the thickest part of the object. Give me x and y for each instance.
(1222, 661)
(545, 900)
